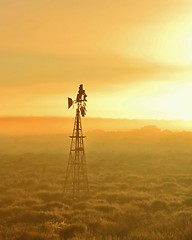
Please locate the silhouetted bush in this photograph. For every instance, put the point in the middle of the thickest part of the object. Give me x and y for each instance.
(33, 236)
(72, 230)
(188, 202)
(159, 205)
(50, 196)
(33, 217)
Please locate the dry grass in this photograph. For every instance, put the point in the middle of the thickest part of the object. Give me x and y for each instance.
(134, 196)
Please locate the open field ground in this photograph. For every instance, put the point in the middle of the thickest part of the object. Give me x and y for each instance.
(141, 189)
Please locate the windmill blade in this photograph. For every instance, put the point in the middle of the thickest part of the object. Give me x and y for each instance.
(70, 102)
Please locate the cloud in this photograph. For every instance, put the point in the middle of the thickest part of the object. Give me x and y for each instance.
(105, 68)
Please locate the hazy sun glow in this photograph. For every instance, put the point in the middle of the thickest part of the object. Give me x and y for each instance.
(162, 101)
(177, 40)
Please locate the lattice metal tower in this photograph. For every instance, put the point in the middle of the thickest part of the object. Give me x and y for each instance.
(76, 180)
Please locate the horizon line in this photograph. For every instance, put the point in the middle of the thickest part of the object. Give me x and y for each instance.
(102, 118)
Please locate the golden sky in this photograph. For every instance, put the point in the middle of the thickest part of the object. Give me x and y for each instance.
(134, 57)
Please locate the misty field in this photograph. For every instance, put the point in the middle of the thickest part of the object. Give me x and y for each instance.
(141, 189)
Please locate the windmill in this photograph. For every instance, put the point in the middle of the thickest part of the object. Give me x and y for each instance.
(76, 180)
